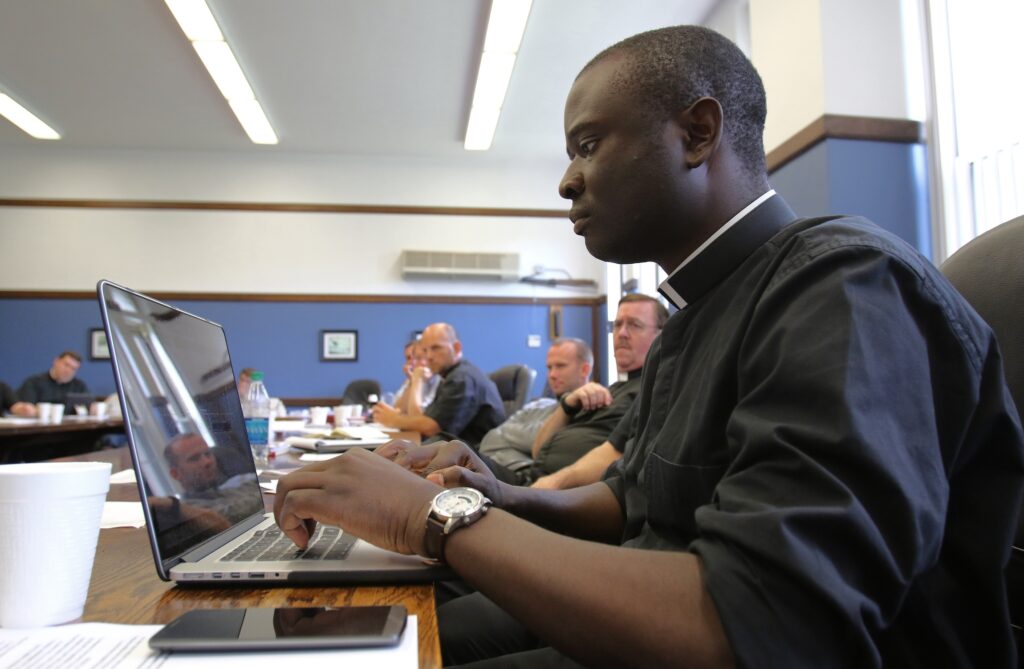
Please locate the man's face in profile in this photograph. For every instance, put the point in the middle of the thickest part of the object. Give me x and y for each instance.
(566, 372)
(626, 175)
(193, 464)
(64, 369)
(441, 351)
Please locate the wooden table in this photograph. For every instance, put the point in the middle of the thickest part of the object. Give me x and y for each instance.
(36, 441)
(126, 589)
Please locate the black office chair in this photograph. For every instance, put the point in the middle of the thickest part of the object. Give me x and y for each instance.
(514, 383)
(359, 391)
(989, 272)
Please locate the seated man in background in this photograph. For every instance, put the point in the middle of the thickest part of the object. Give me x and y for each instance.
(9, 402)
(54, 385)
(420, 385)
(467, 403)
(586, 416)
(510, 445)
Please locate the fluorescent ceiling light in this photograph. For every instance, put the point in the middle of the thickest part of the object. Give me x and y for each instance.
(201, 28)
(480, 132)
(224, 69)
(254, 121)
(492, 79)
(195, 19)
(25, 119)
(505, 27)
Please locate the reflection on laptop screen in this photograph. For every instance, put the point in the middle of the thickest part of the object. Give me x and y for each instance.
(183, 417)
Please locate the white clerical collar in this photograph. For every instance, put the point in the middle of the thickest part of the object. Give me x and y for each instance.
(667, 290)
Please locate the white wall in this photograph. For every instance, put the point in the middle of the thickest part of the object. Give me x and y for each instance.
(848, 57)
(69, 249)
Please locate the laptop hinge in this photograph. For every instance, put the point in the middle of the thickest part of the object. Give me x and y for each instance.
(217, 541)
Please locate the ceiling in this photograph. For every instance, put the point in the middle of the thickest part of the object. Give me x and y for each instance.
(354, 77)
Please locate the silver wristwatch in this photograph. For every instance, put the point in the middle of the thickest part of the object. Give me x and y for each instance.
(450, 510)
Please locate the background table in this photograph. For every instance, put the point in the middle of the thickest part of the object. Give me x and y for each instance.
(37, 441)
(126, 589)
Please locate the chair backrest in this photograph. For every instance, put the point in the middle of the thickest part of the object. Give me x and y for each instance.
(359, 391)
(514, 383)
(989, 272)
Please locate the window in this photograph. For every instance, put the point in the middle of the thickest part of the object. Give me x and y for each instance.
(976, 132)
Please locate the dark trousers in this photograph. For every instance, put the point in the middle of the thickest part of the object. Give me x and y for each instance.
(476, 633)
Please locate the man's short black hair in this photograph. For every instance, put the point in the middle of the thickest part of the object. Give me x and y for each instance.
(669, 69)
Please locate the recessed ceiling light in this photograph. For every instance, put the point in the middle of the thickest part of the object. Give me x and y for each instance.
(200, 26)
(505, 27)
(24, 119)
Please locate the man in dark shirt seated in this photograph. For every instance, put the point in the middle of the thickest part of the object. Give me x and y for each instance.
(54, 385)
(586, 416)
(467, 403)
(826, 468)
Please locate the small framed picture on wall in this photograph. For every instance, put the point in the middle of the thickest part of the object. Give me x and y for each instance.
(98, 349)
(339, 345)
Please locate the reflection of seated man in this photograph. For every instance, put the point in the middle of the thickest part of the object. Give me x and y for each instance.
(510, 445)
(54, 385)
(9, 402)
(193, 464)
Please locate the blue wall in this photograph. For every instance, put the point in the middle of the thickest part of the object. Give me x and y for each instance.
(886, 182)
(283, 338)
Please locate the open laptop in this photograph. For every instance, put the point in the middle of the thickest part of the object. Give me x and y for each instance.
(196, 474)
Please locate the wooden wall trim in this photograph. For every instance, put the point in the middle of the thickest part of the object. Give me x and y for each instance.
(835, 126)
(300, 207)
(591, 301)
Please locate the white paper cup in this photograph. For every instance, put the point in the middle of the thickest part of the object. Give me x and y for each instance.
(49, 524)
(98, 409)
(56, 413)
(318, 415)
(44, 411)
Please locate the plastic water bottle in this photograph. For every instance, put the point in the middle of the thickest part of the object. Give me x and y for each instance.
(256, 409)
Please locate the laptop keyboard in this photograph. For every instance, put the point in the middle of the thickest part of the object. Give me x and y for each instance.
(271, 545)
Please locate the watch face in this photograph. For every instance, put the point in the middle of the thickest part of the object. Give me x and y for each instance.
(458, 502)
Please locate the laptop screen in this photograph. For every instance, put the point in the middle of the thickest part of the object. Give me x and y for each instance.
(183, 418)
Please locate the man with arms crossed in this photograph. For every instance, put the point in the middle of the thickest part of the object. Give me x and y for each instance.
(826, 467)
(509, 447)
(586, 416)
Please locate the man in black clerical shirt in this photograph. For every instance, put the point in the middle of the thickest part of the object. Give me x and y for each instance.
(52, 386)
(467, 404)
(826, 465)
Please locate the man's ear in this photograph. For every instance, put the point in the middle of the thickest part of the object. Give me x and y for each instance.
(701, 124)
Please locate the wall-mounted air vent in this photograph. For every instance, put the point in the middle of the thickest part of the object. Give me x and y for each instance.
(460, 265)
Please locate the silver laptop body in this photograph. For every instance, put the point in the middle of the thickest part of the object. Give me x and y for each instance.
(194, 466)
